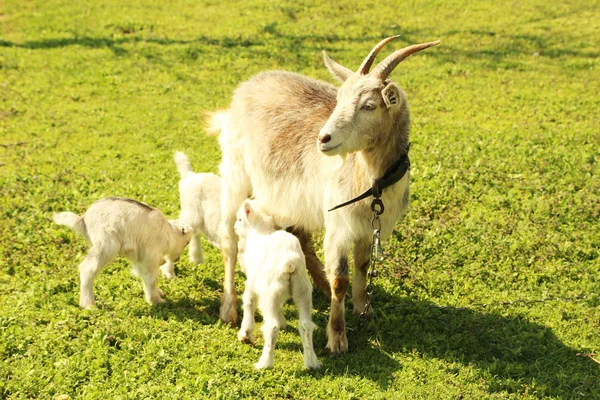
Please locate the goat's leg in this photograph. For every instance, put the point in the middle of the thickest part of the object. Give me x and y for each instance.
(148, 271)
(302, 295)
(245, 334)
(233, 195)
(362, 256)
(89, 268)
(168, 268)
(195, 250)
(228, 312)
(269, 308)
(313, 264)
(336, 258)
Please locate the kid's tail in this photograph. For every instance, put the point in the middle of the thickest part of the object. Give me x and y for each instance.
(183, 164)
(292, 261)
(72, 221)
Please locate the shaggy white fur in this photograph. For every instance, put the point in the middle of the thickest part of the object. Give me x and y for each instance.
(200, 195)
(275, 270)
(133, 229)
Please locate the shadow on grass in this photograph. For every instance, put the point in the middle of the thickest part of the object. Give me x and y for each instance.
(205, 312)
(507, 45)
(115, 44)
(515, 352)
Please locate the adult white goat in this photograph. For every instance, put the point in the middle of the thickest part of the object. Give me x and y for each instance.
(277, 139)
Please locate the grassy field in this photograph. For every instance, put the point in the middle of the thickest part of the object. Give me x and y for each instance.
(95, 97)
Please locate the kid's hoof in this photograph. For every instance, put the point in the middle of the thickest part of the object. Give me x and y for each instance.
(311, 362)
(87, 304)
(263, 365)
(196, 260)
(168, 275)
(245, 337)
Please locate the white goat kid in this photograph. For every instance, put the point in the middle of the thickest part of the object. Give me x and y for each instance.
(277, 139)
(116, 225)
(275, 271)
(200, 195)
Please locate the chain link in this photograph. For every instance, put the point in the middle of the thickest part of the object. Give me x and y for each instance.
(376, 256)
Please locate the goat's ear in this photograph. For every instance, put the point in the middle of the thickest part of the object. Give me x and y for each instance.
(338, 71)
(392, 96)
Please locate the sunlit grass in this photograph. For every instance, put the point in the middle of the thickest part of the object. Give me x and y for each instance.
(95, 97)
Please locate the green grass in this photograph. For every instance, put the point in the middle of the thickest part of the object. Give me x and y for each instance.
(95, 97)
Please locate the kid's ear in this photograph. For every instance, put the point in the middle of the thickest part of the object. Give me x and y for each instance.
(392, 96)
(247, 208)
(186, 229)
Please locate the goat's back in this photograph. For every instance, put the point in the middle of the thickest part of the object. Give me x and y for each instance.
(270, 260)
(133, 224)
(270, 137)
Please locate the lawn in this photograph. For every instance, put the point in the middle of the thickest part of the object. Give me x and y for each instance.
(96, 96)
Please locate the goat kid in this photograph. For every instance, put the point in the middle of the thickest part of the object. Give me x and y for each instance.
(141, 233)
(275, 271)
(200, 195)
(277, 140)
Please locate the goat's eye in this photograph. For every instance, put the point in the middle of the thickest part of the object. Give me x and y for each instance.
(368, 106)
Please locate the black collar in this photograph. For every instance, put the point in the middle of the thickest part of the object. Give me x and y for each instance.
(393, 174)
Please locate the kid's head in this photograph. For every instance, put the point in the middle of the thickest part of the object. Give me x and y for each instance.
(247, 217)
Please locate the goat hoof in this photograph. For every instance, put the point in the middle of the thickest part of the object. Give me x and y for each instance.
(90, 306)
(156, 300)
(263, 365)
(197, 260)
(228, 313)
(168, 275)
(311, 362)
(359, 308)
(245, 337)
(168, 271)
(313, 366)
(337, 343)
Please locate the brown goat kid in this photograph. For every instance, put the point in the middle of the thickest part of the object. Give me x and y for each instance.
(278, 138)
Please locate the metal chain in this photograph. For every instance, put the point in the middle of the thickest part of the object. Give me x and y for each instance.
(376, 256)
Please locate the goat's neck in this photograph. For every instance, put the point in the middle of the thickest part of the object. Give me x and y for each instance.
(372, 163)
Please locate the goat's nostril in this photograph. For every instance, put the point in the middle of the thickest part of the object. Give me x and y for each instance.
(325, 139)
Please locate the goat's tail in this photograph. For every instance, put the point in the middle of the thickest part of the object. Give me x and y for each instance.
(216, 122)
(183, 164)
(72, 221)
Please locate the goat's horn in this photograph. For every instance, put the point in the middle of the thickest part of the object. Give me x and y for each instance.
(366, 65)
(385, 68)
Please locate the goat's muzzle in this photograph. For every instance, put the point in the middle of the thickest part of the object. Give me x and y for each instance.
(326, 138)
(324, 142)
